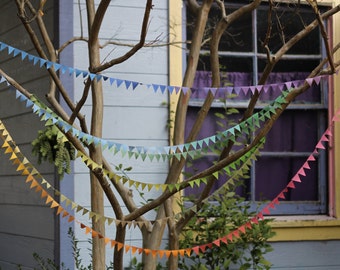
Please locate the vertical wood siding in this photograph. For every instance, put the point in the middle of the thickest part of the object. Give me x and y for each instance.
(27, 225)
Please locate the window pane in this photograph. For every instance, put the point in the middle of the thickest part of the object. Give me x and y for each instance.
(286, 22)
(274, 173)
(294, 131)
(228, 64)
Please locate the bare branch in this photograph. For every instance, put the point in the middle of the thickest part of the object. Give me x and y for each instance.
(138, 46)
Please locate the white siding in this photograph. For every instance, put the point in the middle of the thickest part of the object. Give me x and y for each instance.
(136, 117)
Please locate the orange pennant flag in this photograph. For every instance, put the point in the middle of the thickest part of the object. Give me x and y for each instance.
(29, 178)
(34, 184)
(54, 204)
(94, 234)
(167, 254)
(60, 209)
(49, 199)
(133, 250)
(87, 230)
(44, 193)
(70, 219)
(119, 246)
(127, 248)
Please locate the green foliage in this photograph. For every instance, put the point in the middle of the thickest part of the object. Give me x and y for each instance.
(48, 147)
(49, 264)
(218, 219)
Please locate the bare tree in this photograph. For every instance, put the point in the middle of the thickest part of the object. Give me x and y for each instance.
(100, 184)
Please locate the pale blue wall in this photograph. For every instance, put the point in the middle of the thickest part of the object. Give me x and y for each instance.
(131, 117)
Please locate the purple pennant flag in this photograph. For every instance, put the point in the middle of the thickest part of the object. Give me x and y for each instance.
(309, 81)
(185, 90)
(317, 80)
(245, 89)
(266, 88)
(288, 85)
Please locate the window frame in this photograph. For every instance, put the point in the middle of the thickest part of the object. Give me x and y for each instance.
(318, 206)
(287, 228)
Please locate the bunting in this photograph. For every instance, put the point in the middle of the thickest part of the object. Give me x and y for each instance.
(30, 174)
(132, 85)
(192, 149)
(243, 163)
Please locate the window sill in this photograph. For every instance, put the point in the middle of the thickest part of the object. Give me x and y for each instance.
(305, 228)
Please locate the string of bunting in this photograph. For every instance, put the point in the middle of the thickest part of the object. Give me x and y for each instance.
(191, 149)
(234, 235)
(240, 166)
(43, 63)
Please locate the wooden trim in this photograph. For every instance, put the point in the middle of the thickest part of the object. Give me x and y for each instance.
(175, 56)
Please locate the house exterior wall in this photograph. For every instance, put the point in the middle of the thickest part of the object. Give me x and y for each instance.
(27, 225)
(132, 117)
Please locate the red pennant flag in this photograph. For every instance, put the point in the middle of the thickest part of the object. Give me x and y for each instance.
(236, 234)
(291, 184)
(196, 249)
(266, 211)
(217, 242)
(260, 215)
(242, 229)
(255, 220)
(224, 240)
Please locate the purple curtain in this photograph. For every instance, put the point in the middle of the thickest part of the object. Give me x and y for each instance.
(240, 79)
(288, 135)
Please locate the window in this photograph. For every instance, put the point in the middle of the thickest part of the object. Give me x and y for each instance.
(295, 134)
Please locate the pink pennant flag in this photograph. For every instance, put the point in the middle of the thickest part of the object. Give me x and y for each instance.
(272, 204)
(320, 146)
(302, 172)
(311, 158)
(276, 201)
(324, 138)
(291, 184)
(296, 178)
(306, 165)
(281, 196)
(328, 132)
